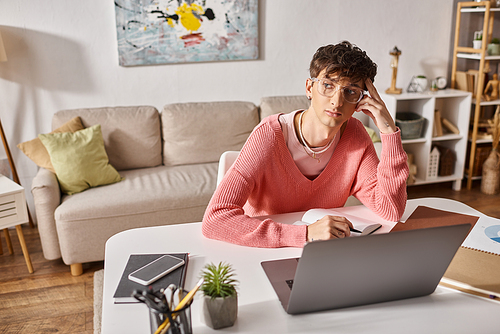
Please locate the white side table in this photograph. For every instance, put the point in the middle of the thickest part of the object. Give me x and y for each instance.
(13, 212)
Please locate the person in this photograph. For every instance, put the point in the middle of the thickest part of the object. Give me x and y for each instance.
(314, 158)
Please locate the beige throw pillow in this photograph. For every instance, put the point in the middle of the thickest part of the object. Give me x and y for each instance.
(36, 151)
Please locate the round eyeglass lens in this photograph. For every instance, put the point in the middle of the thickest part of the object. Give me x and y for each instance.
(328, 88)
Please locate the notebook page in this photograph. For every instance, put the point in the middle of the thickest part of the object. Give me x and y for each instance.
(314, 215)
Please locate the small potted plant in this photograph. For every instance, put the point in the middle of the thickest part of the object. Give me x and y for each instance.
(220, 301)
(478, 40)
(494, 47)
(422, 83)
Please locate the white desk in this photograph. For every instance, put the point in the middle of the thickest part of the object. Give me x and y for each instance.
(444, 311)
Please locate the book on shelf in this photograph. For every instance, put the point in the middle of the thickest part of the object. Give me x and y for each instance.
(438, 128)
(450, 126)
(466, 81)
(473, 77)
(123, 293)
(461, 81)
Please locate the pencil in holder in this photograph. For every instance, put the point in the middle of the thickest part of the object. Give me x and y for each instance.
(179, 322)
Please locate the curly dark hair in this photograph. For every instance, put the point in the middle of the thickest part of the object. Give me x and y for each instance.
(345, 60)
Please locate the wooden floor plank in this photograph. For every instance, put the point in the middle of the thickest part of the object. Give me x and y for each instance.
(43, 281)
(36, 296)
(49, 309)
(75, 323)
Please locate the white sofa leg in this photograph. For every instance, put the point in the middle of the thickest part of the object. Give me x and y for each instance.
(76, 269)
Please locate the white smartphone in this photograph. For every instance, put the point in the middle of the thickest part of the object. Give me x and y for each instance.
(155, 270)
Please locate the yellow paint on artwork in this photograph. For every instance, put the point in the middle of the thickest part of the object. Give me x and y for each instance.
(170, 22)
(188, 19)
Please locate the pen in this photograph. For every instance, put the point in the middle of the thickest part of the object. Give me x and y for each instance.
(186, 300)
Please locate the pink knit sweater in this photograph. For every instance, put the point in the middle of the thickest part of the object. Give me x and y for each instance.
(264, 180)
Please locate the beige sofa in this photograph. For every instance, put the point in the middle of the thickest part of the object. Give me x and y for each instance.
(169, 162)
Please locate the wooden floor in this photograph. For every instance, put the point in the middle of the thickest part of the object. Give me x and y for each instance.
(51, 300)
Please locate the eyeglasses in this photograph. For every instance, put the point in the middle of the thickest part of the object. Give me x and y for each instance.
(328, 88)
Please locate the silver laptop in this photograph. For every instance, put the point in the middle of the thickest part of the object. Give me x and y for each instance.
(364, 270)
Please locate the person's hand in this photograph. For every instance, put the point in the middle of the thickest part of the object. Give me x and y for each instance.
(375, 108)
(329, 227)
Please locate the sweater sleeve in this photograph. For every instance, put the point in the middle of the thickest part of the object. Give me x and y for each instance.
(225, 218)
(384, 191)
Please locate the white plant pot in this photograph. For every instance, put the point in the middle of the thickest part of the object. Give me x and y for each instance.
(220, 312)
(476, 44)
(422, 83)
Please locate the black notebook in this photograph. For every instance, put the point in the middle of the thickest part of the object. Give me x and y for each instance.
(123, 293)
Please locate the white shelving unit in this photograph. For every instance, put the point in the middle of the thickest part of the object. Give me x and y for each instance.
(455, 106)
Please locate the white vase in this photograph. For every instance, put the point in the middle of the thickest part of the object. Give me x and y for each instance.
(220, 312)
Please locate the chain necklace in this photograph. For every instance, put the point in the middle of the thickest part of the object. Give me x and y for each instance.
(311, 153)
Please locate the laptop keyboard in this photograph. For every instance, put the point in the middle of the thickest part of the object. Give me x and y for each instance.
(290, 283)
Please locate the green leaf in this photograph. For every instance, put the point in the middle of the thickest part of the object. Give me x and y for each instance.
(218, 280)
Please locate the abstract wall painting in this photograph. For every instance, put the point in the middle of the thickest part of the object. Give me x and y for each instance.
(154, 32)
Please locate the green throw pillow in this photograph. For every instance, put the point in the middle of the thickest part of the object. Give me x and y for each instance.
(79, 159)
(372, 134)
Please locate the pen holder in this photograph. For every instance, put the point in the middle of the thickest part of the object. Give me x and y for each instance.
(179, 321)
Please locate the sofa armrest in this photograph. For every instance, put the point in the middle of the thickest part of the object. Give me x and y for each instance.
(47, 197)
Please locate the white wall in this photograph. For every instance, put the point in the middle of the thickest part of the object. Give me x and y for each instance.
(63, 54)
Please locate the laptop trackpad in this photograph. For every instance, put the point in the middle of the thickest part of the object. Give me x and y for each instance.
(281, 274)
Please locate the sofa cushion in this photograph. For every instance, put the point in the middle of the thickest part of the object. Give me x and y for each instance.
(146, 197)
(285, 104)
(282, 104)
(132, 135)
(35, 150)
(201, 132)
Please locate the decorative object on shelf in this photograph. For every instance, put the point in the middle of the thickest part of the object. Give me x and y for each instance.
(491, 90)
(434, 86)
(220, 301)
(447, 158)
(395, 53)
(186, 31)
(477, 43)
(418, 84)
(410, 124)
(490, 183)
(433, 165)
(441, 82)
(494, 47)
